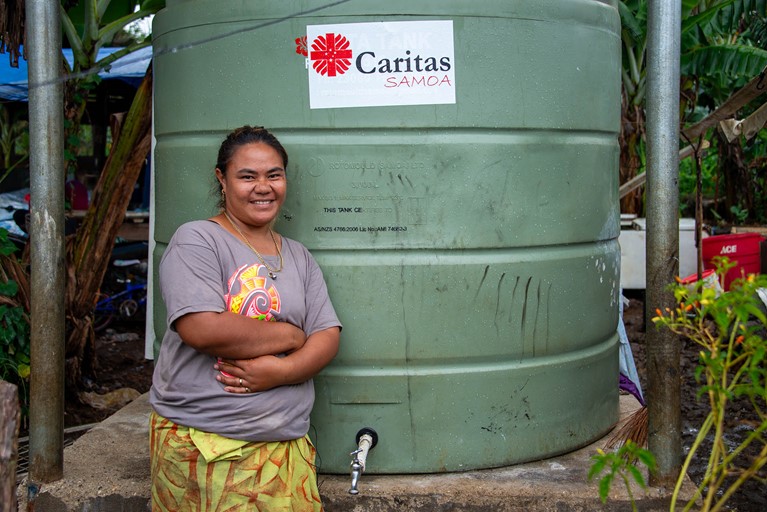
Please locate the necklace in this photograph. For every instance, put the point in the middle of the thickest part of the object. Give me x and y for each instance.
(272, 271)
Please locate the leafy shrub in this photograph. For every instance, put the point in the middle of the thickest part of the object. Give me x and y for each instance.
(623, 464)
(729, 328)
(14, 331)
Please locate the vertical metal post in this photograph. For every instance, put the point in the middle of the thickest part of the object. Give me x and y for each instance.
(46, 170)
(663, 347)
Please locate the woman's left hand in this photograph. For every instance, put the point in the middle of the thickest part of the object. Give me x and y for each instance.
(267, 372)
(251, 375)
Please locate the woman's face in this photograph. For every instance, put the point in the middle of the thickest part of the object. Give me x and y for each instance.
(255, 184)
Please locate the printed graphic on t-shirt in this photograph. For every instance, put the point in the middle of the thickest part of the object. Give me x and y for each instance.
(247, 294)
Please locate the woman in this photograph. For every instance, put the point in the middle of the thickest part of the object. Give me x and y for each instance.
(249, 324)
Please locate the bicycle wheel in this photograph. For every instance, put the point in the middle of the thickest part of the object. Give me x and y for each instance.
(102, 313)
(128, 308)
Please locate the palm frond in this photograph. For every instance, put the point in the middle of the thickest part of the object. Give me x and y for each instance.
(688, 6)
(706, 16)
(633, 21)
(742, 12)
(733, 60)
(725, 17)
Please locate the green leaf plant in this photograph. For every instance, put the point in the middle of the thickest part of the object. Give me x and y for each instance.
(729, 328)
(98, 28)
(623, 464)
(14, 141)
(14, 326)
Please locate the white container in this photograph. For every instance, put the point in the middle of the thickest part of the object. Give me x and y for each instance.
(633, 244)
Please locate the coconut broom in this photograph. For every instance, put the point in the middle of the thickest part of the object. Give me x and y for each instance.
(634, 427)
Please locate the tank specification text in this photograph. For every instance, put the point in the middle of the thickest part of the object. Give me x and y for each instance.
(358, 229)
(357, 209)
(361, 229)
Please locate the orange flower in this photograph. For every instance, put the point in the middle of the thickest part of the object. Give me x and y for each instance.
(739, 340)
(658, 312)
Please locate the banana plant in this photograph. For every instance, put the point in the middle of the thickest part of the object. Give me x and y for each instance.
(633, 80)
(97, 30)
(98, 27)
(713, 44)
(720, 44)
(724, 51)
(88, 251)
(14, 141)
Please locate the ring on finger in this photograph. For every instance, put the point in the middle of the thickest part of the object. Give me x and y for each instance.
(247, 390)
(240, 382)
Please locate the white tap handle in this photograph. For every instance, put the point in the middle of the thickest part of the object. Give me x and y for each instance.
(366, 441)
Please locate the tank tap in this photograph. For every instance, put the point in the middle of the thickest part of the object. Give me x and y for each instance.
(366, 439)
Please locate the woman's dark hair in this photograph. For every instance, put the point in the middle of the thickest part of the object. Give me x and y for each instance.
(240, 137)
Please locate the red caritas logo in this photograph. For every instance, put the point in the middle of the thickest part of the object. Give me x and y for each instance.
(301, 46)
(331, 54)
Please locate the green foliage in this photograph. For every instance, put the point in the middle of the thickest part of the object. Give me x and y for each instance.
(757, 32)
(633, 15)
(621, 463)
(89, 25)
(14, 333)
(724, 59)
(739, 214)
(729, 329)
(14, 140)
(722, 48)
(717, 16)
(688, 180)
(755, 178)
(712, 40)
(14, 340)
(93, 25)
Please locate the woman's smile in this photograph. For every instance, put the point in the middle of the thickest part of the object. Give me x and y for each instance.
(254, 185)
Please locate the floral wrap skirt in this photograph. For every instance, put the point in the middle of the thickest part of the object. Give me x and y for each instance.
(197, 471)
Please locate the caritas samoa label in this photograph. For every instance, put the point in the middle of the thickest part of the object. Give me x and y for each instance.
(380, 64)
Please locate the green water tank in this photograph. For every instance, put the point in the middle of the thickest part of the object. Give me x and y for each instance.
(453, 169)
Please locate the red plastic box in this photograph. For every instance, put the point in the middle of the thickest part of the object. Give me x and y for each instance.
(741, 248)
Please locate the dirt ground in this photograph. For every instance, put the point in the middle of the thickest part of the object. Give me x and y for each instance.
(122, 367)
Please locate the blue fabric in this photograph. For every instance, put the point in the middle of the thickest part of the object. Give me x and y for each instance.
(629, 378)
(130, 68)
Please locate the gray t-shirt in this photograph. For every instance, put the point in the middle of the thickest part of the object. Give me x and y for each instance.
(205, 268)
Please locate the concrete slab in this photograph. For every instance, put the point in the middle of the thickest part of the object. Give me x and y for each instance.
(107, 470)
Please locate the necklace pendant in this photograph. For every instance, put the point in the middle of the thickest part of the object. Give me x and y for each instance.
(271, 273)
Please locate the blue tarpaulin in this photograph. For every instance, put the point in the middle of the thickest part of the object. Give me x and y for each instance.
(130, 68)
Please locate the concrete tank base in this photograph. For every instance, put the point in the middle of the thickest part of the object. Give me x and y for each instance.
(107, 470)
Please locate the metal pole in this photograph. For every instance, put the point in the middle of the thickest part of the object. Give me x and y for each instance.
(663, 347)
(46, 171)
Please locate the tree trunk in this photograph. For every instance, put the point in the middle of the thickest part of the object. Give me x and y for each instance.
(75, 100)
(737, 185)
(89, 250)
(632, 132)
(9, 444)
